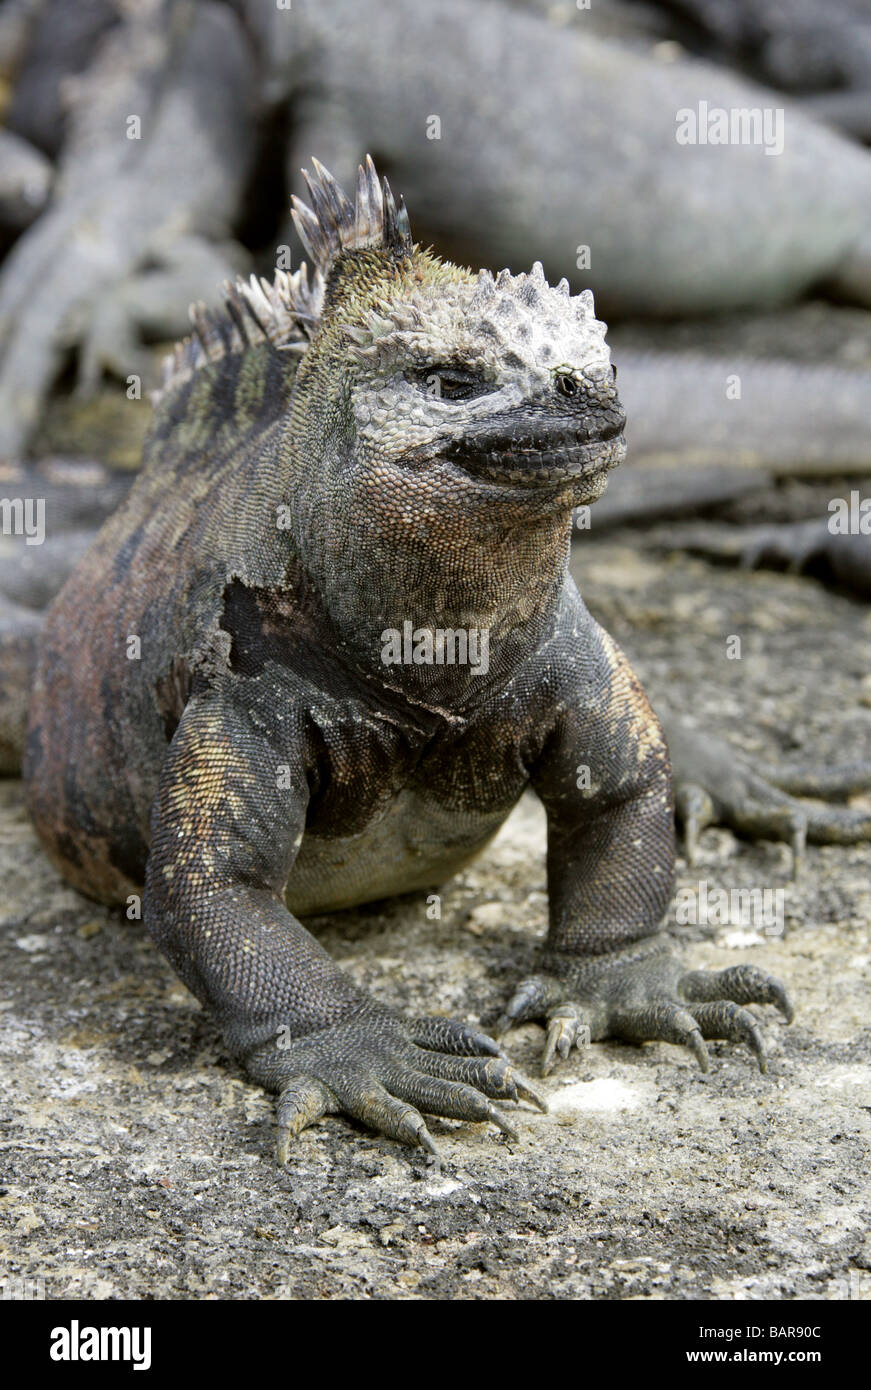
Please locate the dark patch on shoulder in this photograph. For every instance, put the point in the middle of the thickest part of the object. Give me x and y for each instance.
(258, 622)
(288, 628)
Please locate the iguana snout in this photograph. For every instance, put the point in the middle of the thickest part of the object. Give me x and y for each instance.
(534, 447)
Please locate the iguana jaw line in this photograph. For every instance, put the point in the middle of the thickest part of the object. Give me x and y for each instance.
(531, 470)
(539, 459)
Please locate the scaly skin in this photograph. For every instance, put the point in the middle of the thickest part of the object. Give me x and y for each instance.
(396, 440)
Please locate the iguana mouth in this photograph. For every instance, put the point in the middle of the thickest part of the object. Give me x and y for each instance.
(535, 458)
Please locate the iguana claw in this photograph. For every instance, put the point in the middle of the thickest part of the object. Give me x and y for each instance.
(370, 1069)
(644, 994)
(713, 785)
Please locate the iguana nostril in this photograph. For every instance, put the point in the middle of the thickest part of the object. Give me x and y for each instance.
(611, 431)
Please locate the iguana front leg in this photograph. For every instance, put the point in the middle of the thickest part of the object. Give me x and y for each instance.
(225, 834)
(604, 779)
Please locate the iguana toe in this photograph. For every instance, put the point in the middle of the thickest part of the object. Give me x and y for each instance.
(645, 995)
(565, 1030)
(449, 1035)
(370, 1069)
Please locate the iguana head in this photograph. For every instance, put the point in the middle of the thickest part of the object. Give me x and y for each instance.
(432, 434)
(504, 383)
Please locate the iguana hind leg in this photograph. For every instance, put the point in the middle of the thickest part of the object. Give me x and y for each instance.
(714, 786)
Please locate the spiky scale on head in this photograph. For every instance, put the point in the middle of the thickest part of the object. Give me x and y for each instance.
(333, 225)
(285, 311)
(282, 312)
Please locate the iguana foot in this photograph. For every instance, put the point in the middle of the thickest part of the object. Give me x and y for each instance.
(146, 307)
(387, 1073)
(643, 994)
(801, 547)
(714, 786)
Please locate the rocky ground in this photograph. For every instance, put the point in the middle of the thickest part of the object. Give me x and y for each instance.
(135, 1161)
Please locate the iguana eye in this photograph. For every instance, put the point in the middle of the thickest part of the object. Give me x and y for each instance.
(452, 383)
(566, 384)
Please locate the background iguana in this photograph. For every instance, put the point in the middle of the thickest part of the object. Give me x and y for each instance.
(820, 54)
(474, 109)
(158, 149)
(486, 114)
(392, 441)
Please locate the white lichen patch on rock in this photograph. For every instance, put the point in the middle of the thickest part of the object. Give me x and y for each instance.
(603, 1096)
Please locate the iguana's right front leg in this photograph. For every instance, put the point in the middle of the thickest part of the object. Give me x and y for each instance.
(225, 834)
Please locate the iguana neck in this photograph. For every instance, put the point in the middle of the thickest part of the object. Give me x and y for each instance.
(482, 568)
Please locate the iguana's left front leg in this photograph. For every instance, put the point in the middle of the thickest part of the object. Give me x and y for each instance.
(607, 970)
(715, 785)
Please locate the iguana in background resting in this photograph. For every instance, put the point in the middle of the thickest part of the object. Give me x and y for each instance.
(141, 216)
(822, 53)
(217, 707)
(520, 135)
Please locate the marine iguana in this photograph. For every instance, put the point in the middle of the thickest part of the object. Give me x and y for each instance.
(390, 447)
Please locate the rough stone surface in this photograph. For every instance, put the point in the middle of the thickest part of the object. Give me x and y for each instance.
(135, 1161)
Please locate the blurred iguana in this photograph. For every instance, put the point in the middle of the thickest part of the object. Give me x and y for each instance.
(474, 107)
(646, 175)
(692, 445)
(150, 180)
(327, 642)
